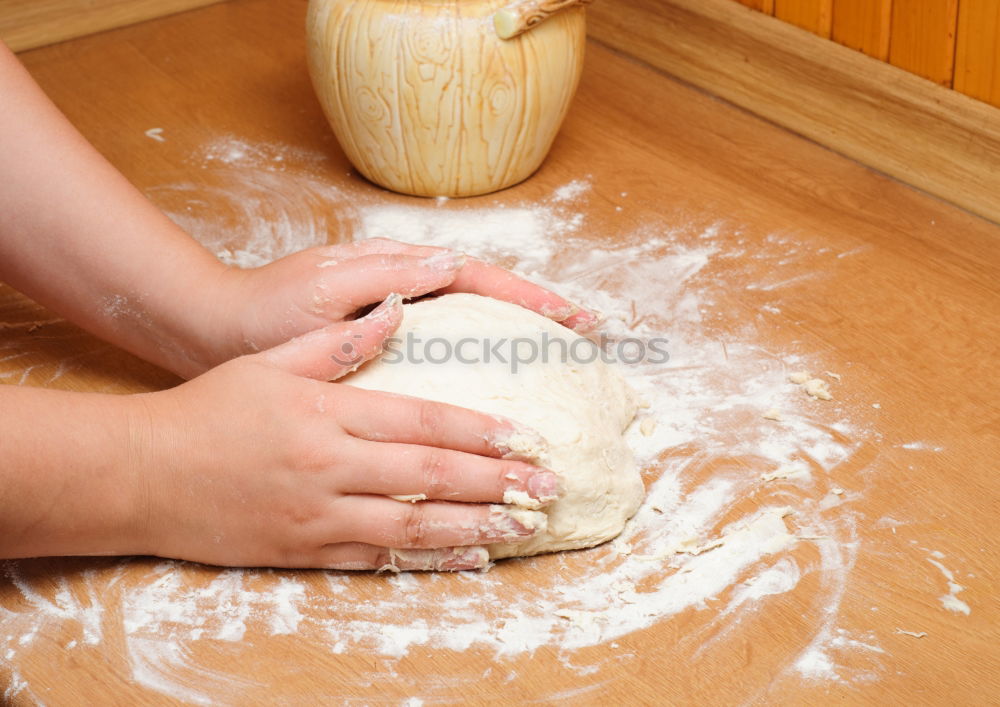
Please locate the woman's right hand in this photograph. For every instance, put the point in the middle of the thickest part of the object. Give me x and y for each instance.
(261, 462)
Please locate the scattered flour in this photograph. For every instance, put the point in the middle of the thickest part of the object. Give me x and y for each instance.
(571, 191)
(260, 202)
(950, 601)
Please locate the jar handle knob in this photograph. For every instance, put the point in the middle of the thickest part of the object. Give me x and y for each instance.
(520, 16)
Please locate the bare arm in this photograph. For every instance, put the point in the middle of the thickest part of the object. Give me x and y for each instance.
(64, 474)
(76, 236)
(296, 474)
(204, 471)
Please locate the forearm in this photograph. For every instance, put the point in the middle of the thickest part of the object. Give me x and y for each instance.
(76, 236)
(69, 481)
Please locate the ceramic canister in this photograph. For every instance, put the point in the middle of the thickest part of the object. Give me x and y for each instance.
(426, 98)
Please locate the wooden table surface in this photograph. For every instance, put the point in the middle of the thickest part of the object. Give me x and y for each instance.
(756, 251)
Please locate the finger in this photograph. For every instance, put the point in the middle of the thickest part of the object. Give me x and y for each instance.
(334, 351)
(357, 282)
(368, 246)
(479, 278)
(419, 421)
(422, 473)
(583, 321)
(377, 520)
(358, 556)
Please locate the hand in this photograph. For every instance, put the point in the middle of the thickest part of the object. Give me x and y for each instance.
(310, 289)
(260, 462)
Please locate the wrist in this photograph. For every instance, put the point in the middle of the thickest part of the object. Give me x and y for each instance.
(178, 317)
(200, 330)
(68, 481)
(138, 473)
(116, 497)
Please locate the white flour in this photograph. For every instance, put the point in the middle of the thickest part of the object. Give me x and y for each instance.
(696, 543)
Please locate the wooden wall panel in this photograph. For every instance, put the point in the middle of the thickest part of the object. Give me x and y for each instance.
(26, 24)
(765, 6)
(938, 140)
(977, 55)
(863, 25)
(923, 38)
(813, 15)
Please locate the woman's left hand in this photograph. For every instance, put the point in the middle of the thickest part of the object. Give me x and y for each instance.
(263, 307)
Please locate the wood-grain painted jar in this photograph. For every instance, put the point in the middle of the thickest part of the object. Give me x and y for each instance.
(426, 99)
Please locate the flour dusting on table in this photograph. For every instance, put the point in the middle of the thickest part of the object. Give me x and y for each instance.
(730, 522)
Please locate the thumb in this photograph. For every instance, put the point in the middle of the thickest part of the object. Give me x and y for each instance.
(336, 350)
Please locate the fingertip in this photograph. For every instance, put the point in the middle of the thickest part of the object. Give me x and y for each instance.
(558, 312)
(341, 347)
(545, 486)
(583, 321)
(465, 558)
(512, 524)
(534, 490)
(450, 559)
(518, 442)
(389, 313)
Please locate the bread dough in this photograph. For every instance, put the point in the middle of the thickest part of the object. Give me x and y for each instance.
(818, 388)
(580, 408)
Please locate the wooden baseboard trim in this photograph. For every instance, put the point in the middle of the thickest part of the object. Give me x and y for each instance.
(28, 24)
(923, 134)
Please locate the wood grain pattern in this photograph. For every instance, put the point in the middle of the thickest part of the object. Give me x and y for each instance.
(923, 38)
(439, 105)
(815, 16)
(895, 289)
(925, 135)
(765, 6)
(977, 55)
(26, 24)
(863, 25)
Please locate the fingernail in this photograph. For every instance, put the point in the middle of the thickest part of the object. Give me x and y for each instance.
(560, 313)
(446, 261)
(587, 321)
(507, 524)
(384, 309)
(463, 558)
(537, 490)
(519, 442)
(545, 486)
(449, 559)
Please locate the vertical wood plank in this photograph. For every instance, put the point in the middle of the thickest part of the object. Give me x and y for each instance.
(977, 54)
(863, 25)
(813, 15)
(923, 38)
(765, 6)
(938, 140)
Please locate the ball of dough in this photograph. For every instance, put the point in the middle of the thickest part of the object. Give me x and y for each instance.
(462, 351)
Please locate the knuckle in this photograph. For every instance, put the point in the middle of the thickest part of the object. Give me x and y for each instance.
(300, 517)
(415, 526)
(434, 472)
(430, 419)
(306, 454)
